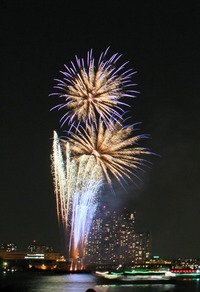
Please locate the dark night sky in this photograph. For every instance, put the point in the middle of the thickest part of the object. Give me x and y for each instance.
(161, 39)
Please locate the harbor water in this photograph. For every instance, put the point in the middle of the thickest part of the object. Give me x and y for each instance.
(45, 282)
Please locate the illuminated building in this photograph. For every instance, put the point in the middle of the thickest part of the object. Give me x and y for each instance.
(9, 247)
(35, 257)
(24, 261)
(39, 248)
(113, 241)
(21, 255)
(142, 247)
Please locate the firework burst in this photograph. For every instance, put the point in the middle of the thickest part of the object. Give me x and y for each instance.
(97, 146)
(94, 90)
(114, 148)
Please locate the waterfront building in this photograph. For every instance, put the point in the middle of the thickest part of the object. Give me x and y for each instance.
(8, 246)
(35, 257)
(34, 247)
(186, 263)
(22, 255)
(113, 241)
(142, 247)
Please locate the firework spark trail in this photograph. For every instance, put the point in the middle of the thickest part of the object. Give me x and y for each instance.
(64, 174)
(84, 203)
(76, 187)
(59, 175)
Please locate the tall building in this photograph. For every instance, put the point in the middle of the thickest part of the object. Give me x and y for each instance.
(142, 247)
(112, 240)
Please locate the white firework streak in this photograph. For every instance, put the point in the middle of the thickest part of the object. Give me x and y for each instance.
(85, 204)
(76, 186)
(59, 177)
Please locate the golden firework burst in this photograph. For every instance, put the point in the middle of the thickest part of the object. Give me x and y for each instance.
(114, 148)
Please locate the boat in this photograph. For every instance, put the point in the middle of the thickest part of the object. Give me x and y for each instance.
(149, 275)
(137, 275)
(109, 275)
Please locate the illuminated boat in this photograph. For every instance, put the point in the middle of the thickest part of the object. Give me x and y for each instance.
(109, 275)
(149, 275)
(138, 274)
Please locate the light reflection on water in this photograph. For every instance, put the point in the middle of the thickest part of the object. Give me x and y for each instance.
(41, 282)
(134, 288)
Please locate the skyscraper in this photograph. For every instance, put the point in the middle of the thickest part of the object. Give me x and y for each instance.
(142, 247)
(113, 241)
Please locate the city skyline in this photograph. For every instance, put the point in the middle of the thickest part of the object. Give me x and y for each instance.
(102, 212)
(161, 42)
(113, 240)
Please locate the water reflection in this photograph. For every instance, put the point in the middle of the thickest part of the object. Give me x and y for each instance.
(43, 282)
(135, 288)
